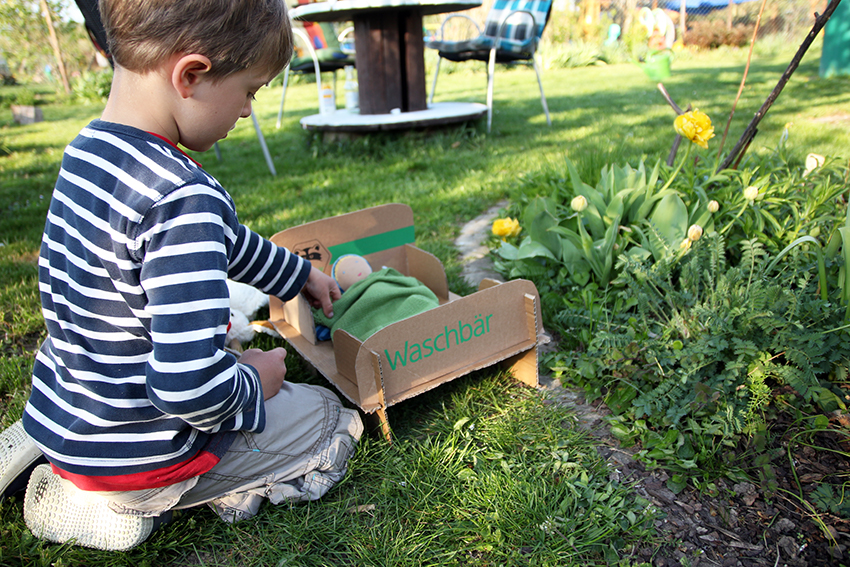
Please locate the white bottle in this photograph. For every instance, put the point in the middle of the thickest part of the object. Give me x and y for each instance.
(352, 94)
(327, 104)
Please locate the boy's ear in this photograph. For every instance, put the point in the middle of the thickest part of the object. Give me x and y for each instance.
(188, 71)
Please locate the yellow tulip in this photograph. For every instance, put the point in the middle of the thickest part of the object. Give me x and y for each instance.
(686, 244)
(695, 126)
(579, 203)
(506, 228)
(713, 206)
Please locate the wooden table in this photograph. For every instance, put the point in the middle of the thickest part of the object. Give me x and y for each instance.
(390, 48)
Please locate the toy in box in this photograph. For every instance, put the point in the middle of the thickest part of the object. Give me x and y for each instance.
(500, 323)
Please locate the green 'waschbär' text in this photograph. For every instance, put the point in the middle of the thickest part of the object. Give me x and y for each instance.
(443, 341)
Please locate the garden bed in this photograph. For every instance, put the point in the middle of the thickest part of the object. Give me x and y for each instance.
(736, 523)
(709, 311)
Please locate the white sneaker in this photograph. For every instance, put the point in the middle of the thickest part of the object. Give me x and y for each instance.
(19, 455)
(57, 514)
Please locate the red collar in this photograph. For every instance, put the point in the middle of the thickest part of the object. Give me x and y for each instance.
(173, 145)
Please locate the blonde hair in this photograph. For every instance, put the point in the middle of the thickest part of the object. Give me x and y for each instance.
(233, 34)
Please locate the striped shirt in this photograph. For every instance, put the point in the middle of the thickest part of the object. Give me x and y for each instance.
(132, 387)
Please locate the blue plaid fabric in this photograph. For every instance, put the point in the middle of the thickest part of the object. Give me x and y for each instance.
(519, 37)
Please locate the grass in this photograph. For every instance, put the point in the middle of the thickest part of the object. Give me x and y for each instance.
(482, 471)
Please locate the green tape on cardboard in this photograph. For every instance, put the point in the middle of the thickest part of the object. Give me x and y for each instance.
(376, 243)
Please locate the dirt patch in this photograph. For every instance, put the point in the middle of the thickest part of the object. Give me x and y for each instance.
(740, 525)
(837, 118)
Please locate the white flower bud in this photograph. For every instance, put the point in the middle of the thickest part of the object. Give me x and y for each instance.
(813, 161)
(694, 232)
(751, 193)
(579, 203)
(713, 206)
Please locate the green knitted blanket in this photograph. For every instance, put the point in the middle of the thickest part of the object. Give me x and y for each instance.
(384, 297)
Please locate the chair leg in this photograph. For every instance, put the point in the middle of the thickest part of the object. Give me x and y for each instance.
(302, 35)
(263, 145)
(434, 84)
(491, 69)
(283, 95)
(540, 84)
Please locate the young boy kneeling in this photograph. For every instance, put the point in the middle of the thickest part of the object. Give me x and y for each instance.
(135, 402)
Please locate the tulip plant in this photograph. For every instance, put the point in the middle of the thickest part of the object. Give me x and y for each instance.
(626, 213)
(583, 237)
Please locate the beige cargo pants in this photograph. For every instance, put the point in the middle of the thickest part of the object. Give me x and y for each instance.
(301, 454)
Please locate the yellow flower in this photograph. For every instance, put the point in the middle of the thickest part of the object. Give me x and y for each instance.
(694, 232)
(686, 244)
(695, 126)
(579, 203)
(751, 192)
(713, 206)
(506, 228)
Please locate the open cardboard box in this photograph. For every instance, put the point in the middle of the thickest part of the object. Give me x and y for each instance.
(500, 323)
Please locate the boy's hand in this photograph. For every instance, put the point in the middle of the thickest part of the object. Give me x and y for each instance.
(271, 367)
(321, 291)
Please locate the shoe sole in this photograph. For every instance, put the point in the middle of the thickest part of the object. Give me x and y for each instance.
(19, 455)
(58, 515)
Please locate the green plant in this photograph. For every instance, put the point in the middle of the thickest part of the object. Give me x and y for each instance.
(24, 97)
(624, 214)
(789, 202)
(570, 55)
(93, 86)
(709, 350)
(585, 236)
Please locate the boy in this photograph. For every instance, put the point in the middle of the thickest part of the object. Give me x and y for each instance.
(135, 402)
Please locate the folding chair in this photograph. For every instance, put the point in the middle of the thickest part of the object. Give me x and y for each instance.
(322, 50)
(512, 31)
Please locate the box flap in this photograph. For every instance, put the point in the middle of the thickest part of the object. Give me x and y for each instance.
(377, 233)
(451, 340)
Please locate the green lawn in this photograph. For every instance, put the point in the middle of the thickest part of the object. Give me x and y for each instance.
(482, 472)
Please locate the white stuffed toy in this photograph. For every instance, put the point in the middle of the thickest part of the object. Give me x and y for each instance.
(245, 301)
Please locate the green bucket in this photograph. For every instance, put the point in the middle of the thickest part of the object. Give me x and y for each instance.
(657, 65)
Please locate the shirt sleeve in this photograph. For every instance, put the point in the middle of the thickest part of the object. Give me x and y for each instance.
(186, 241)
(272, 269)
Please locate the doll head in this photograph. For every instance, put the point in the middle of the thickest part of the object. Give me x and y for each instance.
(350, 269)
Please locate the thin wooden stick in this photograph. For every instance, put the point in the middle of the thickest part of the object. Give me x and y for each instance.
(743, 80)
(752, 128)
(674, 149)
(669, 99)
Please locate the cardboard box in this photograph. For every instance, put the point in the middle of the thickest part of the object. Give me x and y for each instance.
(500, 323)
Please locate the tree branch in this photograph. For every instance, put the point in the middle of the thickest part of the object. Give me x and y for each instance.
(752, 128)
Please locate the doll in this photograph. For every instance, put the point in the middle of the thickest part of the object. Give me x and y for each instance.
(350, 269)
(371, 300)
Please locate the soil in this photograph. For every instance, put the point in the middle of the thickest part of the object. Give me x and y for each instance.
(738, 524)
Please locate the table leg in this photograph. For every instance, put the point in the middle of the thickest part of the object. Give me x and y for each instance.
(390, 61)
(414, 50)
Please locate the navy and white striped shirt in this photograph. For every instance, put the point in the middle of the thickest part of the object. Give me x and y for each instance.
(132, 380)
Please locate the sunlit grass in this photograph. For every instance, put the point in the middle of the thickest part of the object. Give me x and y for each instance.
(448, 491)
